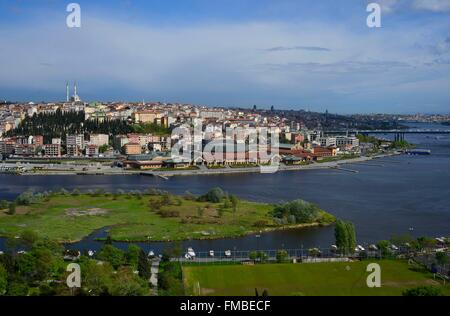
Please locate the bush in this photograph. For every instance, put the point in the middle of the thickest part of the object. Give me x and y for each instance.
(423, 291)
(168, 213)
(12, 208)
(297, 211)
(282, 256)
(4, 204)
(215, 195)
(26, 198)
(261, 223)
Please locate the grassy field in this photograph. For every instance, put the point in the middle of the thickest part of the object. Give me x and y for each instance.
(135, 218)
(309, 279)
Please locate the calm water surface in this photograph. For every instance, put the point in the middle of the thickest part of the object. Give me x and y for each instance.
(382, 201)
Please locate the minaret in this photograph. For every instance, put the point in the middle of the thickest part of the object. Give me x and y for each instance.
(75, 88)
(67, 91)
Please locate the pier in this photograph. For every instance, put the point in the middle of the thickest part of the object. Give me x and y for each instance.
(345, 169)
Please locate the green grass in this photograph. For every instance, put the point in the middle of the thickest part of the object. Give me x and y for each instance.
(132, 219)
(309, 279)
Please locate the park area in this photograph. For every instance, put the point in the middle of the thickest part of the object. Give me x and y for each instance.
(137, 216)
(306, 279)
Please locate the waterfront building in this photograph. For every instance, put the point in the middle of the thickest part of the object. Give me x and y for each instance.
(132, 149)
(52, 150)
(347, 142)
(7, 147)
(327, 141)
(99, 139)
(75, 140)
(72, 150)
(92, 150)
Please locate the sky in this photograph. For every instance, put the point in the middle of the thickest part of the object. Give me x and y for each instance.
(292, 54)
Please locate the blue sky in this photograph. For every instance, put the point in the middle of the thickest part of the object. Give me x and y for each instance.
(297, 54)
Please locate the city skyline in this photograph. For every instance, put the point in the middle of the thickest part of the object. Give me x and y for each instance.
(289, 54)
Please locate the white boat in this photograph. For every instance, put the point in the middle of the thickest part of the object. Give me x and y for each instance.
(334, 248)
(211, 253)
(394, 247)
(151, 254)
(373, 247)
(228, 253)
(360, 248)
(191, 252)
(91, 253)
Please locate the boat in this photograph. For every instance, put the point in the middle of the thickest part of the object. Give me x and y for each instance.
(228, 253)
(151, 254)
(90, 253)
(360, 248)
(373, 247)
(191, 252)
(394, 247)
(211, 253)
(418, 151)
(334, 248)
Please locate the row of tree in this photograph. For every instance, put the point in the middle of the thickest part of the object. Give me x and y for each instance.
(59, 123)
(40, 269)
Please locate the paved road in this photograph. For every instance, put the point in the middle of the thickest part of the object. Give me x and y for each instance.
(154, 277)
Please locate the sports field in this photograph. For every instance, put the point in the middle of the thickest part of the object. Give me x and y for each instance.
(316, 279)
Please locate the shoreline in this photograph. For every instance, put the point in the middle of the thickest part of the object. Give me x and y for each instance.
(218, 171)
(248, 233)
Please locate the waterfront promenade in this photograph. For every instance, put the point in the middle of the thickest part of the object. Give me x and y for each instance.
(99, 169)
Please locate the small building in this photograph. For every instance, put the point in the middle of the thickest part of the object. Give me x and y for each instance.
(92, 150)
(132, 149)
(52, 150)
(176, 163)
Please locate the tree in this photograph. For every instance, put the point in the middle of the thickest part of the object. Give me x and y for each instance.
(345, 236)
(126, 283)
(234, 203)
(28, 238)
(3, 280)
(12, 208)
(282, 256)
(215, 195)
(442, 258)
(423, 291)
(26, 198)
(3, 204)
(113, 255)
(132, 255)
(384, 247)
(144, 267)
(302, 211)
(96, 279)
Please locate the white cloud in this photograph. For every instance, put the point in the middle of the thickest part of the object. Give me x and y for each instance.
(217, 64)
(432, 5)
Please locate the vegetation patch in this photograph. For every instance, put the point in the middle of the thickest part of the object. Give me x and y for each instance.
(305, 279)
(146, 216)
